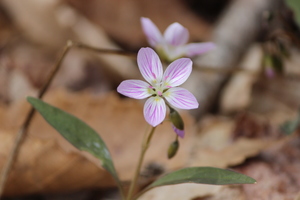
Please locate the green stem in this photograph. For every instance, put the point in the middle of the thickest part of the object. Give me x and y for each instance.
(145, 146)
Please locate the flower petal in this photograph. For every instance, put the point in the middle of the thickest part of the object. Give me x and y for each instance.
(181, 98)
(177, 72)
(136, 89)
(194, 49)
(154, 36)
(179, 132)
(155, 110)
(171, 53)
(176, 34)
(150, 65)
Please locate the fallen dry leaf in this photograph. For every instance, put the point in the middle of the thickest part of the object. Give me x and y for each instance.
(48, 163)
(181, 192)
(240, 85)
(276, 171)
(226, 193)
(215, 145)
(126, 29)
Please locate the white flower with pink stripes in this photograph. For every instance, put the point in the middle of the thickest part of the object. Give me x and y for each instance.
(161, 87)
(173, 43)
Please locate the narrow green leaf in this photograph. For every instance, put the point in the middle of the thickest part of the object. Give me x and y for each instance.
(204, 175)
(76, 132)
(291, 126)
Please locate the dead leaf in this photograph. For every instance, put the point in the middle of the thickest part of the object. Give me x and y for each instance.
(215, 147)
(48, 163)
(181, 192)
(240, 85)
(126, 29)
(276, 171)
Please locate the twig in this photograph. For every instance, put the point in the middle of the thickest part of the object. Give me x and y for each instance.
(23, 130)
(105, 51)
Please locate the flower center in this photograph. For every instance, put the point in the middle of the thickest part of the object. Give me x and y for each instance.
(158, 90)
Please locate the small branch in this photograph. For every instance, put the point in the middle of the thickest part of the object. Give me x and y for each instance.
(104, 51)
(232, 71)
(23, 130)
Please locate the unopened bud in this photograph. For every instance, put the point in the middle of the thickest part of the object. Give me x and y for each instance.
(173, 148)
(176, 121)
(274, 62)
(284, 52)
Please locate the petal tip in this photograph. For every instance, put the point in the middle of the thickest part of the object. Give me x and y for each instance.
(179, 132)
(154, 111)
(176, 34)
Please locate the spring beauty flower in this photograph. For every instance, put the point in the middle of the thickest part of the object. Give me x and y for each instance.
(172, 44)
(161, 88)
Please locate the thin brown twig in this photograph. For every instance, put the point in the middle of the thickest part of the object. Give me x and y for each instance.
(23, 130)
(104, 51)
(232, 71)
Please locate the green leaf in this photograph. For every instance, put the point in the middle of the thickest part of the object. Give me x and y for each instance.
(204, 175)
(76, 132)
(291, 126)
(295, 6)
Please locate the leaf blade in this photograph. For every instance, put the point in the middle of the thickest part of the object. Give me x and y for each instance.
(203, 175)
(77, 132)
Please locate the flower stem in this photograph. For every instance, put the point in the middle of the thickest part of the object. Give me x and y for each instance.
(145, 146)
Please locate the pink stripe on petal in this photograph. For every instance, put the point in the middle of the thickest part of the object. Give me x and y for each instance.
(194, 49)
(150, 65)
(176, 34)
(181, 98)
(178, 72)
(136, 89)
(154, 36)
(155, 111)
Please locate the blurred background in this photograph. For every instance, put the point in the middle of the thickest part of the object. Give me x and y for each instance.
(247, 87)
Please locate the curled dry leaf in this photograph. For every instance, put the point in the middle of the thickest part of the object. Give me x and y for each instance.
(277, 171)
(126, 29)
(48, 163)
(213, 146)
(241, 83)
(181, 192)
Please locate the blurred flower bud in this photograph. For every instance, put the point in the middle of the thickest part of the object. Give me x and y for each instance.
(173, 148)
(269, 71)
(273, 65)
(178, 125)
(283, 50)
